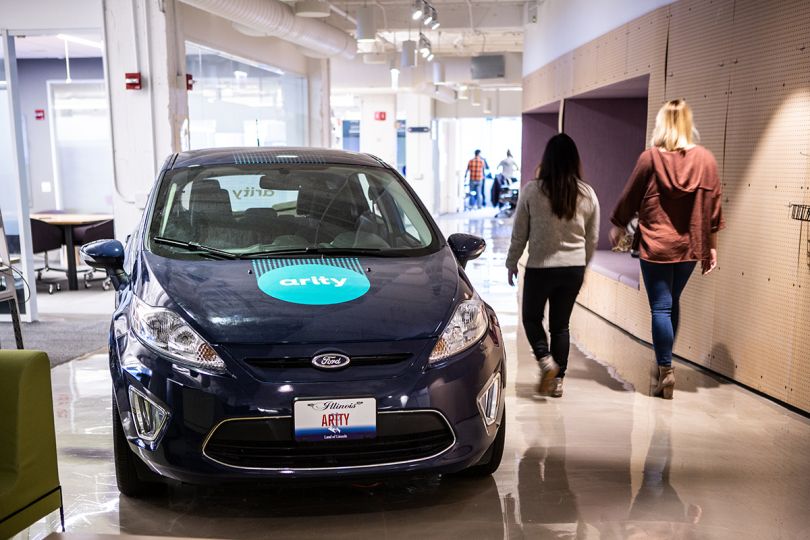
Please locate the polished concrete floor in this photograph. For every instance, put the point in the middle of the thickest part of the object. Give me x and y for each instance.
(606, 461)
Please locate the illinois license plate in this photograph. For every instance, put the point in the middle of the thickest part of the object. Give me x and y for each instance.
(335, 419)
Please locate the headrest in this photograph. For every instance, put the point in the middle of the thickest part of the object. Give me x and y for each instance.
(208, 201)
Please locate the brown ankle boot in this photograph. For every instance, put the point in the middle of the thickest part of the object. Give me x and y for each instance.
(557, 391)
(548, 371)
(666, 382)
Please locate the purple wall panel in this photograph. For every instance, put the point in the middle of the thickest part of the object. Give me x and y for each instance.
(538, 128)
(610, 136)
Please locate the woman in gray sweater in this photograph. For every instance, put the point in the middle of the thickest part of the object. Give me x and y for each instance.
(558, 217)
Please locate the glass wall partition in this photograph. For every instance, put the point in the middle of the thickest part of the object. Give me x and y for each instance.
(236, 102)
(81, 147)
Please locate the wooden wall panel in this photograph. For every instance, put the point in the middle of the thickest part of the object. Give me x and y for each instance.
(745, 69)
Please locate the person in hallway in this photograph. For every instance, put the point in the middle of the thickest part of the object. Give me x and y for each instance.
(675, 190)
(558, 217)
(475, 171)
(509, 166)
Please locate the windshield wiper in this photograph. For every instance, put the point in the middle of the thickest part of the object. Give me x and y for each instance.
(194, 246)
(312, 250)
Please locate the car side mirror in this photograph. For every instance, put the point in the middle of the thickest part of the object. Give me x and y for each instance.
(107, 255)
(466, 247)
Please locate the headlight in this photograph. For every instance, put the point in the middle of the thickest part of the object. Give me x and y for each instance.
(165, 331)
(466, 327)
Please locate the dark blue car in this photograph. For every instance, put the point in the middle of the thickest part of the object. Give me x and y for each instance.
(296, 313)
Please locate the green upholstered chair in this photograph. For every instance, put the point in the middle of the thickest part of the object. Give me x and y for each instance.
(29, 479)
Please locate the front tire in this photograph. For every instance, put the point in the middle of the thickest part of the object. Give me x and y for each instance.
(491, 459)
(134, 479)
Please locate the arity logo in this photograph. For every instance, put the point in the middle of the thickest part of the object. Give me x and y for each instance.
(311, 281)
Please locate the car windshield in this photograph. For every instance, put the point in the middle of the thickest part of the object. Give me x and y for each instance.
(252, 211)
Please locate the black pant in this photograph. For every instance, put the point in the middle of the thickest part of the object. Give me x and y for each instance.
(559, 287)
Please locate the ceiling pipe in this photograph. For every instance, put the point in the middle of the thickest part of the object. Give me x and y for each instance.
(274, 18)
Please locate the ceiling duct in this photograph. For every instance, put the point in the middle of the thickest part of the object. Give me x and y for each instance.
(274, 18)
(376, 58)
(475, 96)
(313, 9)
(443, 94)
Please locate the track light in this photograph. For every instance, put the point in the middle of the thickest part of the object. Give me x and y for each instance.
(431, 16)
(436, 25)
(430, 57)
(418, 10)
(424, 46)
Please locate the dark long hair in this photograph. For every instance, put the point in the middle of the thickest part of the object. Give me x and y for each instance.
(559, 175)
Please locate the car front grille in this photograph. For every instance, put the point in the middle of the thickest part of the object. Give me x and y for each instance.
(268, 443)
(306, 362)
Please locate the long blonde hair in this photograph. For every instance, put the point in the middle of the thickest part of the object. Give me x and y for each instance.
(674, 129)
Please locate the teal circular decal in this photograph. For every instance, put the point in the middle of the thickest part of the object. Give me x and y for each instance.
(313, 284)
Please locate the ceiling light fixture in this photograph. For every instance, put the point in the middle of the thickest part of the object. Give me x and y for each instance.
(408, 58)
(424, 46)
(366, 25)
(81, 41)
(392, 66)
(436, 25)
(418, 9)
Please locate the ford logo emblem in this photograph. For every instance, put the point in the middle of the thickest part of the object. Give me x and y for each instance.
(331, 361)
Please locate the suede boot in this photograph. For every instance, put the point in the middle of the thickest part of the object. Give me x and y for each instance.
(666, 382)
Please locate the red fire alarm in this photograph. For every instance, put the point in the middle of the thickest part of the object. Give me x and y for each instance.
(380, 115)
(132, 81)
(189, 82)
(39, 114)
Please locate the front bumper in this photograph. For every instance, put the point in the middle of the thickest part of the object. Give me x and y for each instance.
(199, 403)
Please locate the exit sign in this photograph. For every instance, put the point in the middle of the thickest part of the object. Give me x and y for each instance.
(380, 115)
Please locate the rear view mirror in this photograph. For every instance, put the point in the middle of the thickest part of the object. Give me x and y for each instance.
(466, 247)
(107, 255)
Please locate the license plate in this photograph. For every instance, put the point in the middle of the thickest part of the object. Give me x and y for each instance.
(335, 419)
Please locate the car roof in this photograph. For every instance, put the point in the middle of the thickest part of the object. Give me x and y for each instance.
(252, 155)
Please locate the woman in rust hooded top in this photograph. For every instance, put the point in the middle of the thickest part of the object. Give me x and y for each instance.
(675, 190)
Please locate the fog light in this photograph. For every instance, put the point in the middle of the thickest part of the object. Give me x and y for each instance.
(150, 418)
(488, 400)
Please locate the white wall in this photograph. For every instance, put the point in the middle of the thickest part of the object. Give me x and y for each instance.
(564, 25)
(419, 163)
(379, 137)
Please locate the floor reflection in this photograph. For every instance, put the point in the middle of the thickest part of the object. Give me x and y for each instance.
(405, 508)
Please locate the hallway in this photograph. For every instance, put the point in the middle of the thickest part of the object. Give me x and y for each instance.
(606, 461)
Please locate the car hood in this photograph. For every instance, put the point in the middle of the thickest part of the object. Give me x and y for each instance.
(274, 301)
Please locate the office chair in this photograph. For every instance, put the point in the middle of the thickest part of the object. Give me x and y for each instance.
(44, 238)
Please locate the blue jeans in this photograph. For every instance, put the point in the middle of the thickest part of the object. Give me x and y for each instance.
(476, 188)
(665, 283)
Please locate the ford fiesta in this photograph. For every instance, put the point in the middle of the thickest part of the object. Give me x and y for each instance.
(296, 313)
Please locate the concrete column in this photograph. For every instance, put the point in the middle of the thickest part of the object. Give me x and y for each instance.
(143, 36)
(320, 112)
(379, 137)
(420, 147)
